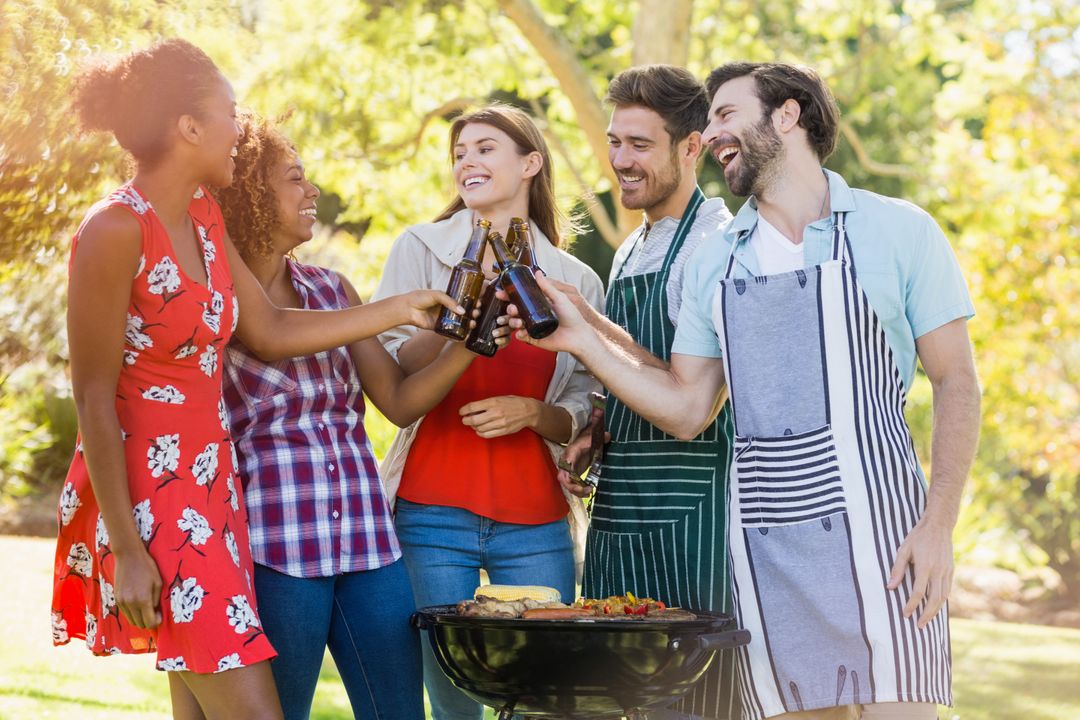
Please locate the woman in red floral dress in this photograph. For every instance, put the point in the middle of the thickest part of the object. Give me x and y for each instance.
(152, 554)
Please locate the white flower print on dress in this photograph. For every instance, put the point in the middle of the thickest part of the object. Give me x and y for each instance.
(199, 194)
(101, 533)
(212, 313)
(80, 560)
(173, 664)
(205, 466)
(108, 596)
(241, 616)
(230, 545)
(164, 455)
(235, 313)
(144, 520)
(234, 501)
(69, 503)
(130, 356)
(186, 351)
(235, 459)
(134, 335)
(91, 631)
(229, 662)
(142, 266)
(208, 361)
(185, 599)
(130, 197)
(209, 252)
(164, 279)
(168, 394)
(196, 526)
(59, 628)
(223, 414)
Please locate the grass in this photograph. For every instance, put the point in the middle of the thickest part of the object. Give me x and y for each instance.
(1002, 671)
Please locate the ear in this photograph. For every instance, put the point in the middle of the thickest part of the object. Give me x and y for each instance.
(533, 162)
(189, 129)
(787, 115)
(694, 145)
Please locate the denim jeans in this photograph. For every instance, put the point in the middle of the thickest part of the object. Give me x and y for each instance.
(446, 547)
(363, 617)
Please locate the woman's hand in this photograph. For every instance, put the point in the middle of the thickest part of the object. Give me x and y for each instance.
(422, 307)
(500, 415)
(138, 588)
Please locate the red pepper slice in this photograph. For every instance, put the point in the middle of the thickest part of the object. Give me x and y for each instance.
(641, 610)
(627, 610)
(660, 605)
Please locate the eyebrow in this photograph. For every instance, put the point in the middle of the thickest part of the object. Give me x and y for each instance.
(485, 139)
(632, 138)
(722, 108)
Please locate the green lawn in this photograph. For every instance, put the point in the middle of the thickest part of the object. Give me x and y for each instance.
(1002, 671)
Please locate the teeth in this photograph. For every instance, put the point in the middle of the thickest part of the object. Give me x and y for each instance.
(234, 152)
(308, 211)
(474, 181)
(725, 155)
(631, 178)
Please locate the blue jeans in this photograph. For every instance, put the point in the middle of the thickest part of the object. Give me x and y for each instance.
(363, 617)
(446, 547)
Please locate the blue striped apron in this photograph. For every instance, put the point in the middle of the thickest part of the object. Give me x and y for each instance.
(825, 486)
(658, 526)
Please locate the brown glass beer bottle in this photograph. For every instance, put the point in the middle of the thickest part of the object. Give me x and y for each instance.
(481, 339)
(519, 284)
(466, 282)
(526, 256)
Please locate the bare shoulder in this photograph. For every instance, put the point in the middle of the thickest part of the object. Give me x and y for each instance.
(112, 235)
(350, 291)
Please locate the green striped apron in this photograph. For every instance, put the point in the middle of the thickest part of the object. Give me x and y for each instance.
(659, 515)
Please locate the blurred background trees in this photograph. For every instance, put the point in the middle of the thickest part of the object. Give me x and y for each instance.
(967, 107)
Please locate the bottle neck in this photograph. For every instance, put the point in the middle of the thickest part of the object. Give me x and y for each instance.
(502, 253)
(475, 249)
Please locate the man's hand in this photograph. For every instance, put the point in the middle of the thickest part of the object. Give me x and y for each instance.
(574, 460)
(573, 328)
(138, 588)
(928, 548)
(422, 307)
(500, 415)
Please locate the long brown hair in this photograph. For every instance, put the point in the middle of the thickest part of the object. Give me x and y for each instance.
(523, 131)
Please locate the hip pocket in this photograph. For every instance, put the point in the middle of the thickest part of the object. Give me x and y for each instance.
(788, 479)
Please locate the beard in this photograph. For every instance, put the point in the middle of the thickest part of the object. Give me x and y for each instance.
(761, 154)
(658, 188)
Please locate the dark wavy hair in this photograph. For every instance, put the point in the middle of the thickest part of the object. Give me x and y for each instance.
(670, 91)
(543, 209)
(139, 96)
(249, 205)
(775, 83)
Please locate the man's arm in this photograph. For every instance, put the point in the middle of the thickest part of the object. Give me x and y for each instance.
(680, 398)
(946, 357)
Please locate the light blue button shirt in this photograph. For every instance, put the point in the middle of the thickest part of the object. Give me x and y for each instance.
(902, 262)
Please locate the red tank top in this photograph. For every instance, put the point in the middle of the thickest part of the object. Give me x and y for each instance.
(509, 478)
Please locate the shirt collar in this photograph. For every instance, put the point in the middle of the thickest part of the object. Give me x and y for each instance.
(300, 281)
(841, 199)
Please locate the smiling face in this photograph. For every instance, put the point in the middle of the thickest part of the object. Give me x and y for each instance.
(296, 198)
(489, 170)
(743, 139)
(219, 133)
(643, 158)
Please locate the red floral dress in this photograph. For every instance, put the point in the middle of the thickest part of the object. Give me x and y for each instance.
(181, 469)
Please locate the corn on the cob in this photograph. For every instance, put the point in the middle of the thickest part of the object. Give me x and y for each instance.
(519, 592)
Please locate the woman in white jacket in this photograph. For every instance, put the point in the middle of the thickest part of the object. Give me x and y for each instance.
(475, 478)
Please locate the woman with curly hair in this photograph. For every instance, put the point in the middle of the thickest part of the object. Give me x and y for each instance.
(152, 552)
(498, 506)
(327, 561)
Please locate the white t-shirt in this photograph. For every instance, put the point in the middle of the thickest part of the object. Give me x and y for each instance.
(775, 253)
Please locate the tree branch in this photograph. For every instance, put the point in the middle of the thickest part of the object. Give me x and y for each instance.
(867, 162)
(666, 24)
(373, 155)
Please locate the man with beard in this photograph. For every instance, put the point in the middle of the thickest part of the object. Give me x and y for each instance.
(658, 519)
(814, 306)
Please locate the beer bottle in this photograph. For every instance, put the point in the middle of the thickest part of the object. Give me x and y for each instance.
(520, 285)
(596, 449)
(466, 282)
(480, 340)
(526, 256)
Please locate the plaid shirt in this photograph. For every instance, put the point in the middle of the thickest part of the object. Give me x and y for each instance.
(315, 503)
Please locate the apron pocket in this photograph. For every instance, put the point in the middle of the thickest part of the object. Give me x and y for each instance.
(788, 479)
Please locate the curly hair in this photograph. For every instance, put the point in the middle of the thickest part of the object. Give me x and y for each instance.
(249, 205)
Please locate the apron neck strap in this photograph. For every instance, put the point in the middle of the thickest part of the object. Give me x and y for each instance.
(685, 223)
(840, 248)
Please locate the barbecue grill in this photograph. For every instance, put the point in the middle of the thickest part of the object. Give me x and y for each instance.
(586, 668)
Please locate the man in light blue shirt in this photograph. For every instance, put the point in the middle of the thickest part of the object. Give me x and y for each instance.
(812, 308)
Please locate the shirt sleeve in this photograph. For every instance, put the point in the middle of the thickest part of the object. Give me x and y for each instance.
(934, 289)
(405, 270)
(695, 332)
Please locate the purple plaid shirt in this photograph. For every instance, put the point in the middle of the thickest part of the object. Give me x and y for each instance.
(315, 503)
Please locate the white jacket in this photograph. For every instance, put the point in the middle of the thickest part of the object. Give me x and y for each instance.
(422, 257)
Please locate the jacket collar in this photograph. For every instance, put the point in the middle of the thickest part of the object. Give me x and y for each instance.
(841, 199)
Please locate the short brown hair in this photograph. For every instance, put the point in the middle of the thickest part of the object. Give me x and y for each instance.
(249, 205)
(776, 83)
(670, 91)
